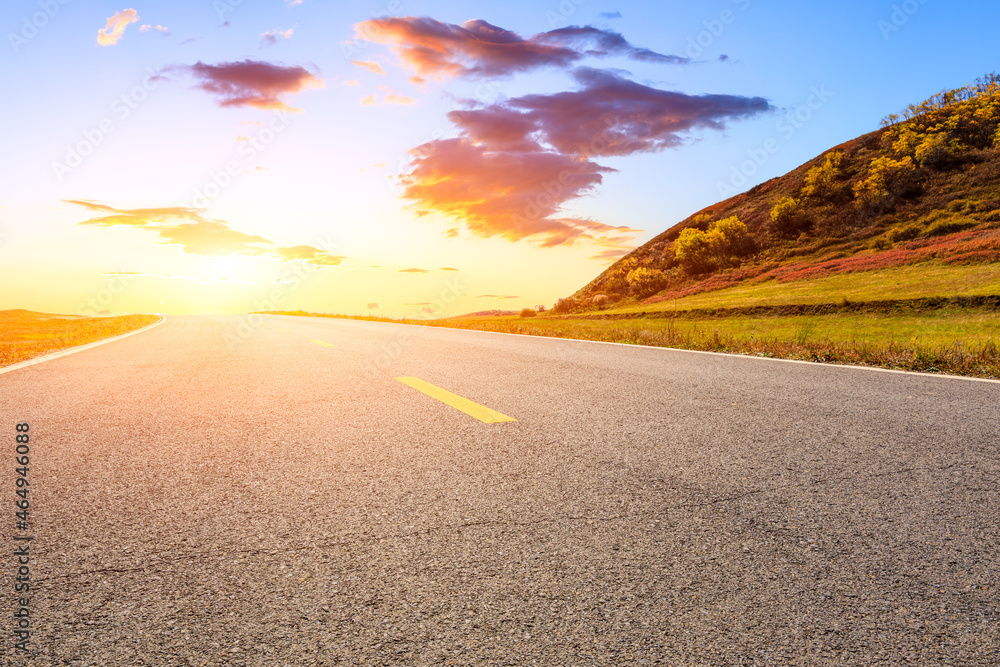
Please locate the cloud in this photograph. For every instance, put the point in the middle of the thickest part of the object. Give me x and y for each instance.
(370, 65)
(309, 254)
(414, 271)
(497, 296)
(270, 38)
(112, 31)
(515, 163)
(610, 15)
(593, 41)
(251, 83)
(193, 38)
(612, 253)
(211, 238)
(373, 306)
(352, 82)
(197, 235)
(159, 28)
(447, 268)
(479, 49)
(397, 99)
(391, 97)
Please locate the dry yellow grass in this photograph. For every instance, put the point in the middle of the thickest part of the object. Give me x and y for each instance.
(25, 334)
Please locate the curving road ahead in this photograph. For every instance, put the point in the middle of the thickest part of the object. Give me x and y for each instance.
(265, 491)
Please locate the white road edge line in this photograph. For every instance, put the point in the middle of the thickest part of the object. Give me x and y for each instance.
(681, 349)
(78, 348)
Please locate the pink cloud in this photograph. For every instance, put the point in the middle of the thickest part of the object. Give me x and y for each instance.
(479, 49)
(252, 83)
(515, 164)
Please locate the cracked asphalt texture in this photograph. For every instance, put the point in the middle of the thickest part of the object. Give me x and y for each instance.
(200, 501)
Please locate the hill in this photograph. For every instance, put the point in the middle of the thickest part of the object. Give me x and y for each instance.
(922, 190)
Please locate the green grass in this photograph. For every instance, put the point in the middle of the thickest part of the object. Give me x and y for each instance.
(25, 334)
(948, 340)
(955, 342)
(902, 282)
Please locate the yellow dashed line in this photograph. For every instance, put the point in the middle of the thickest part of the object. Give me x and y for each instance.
(470, 408)
(322, 343)
(284, 329)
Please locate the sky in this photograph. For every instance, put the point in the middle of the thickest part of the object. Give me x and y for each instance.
(417, 158)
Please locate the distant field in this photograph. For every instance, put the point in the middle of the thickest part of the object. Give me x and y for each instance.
(902, 282)
(25, 334)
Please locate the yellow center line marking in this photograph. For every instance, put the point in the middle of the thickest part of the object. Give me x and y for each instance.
(322, 343)
(284, 329)
(480, 412)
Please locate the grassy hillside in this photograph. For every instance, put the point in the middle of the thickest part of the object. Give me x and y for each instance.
(922, 191)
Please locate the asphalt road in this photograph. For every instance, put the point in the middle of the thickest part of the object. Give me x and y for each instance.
(223, 491)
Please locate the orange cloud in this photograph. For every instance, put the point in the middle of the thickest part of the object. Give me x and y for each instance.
(186, 227)
(369, 101)
(402, 100)
(370, 65)
(252, 83)
(115, 27)
(414, 271)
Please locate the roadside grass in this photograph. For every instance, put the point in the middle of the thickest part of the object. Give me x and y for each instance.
(25, 334)
(957, 341)
(902, 282)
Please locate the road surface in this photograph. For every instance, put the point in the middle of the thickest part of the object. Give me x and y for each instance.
(265, 491)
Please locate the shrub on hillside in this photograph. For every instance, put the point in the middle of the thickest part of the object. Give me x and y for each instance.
(724, 244)
(644, 281)
(730, 240)
(788, 218)
(567, 305)
(886, 178)
(691, 249)
(600, 300)
(821, 181)
(949, 225)
(528, 312)
(904, 233)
